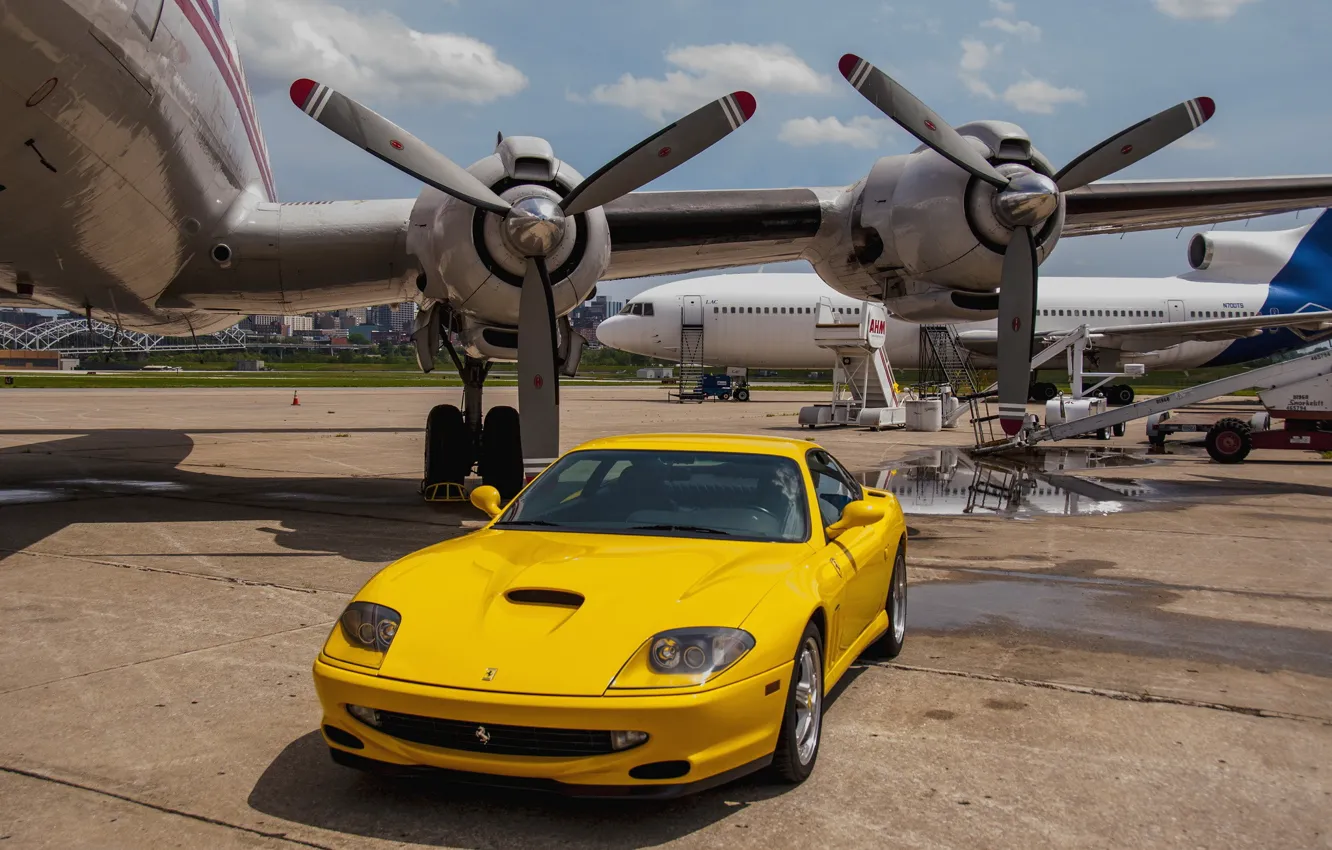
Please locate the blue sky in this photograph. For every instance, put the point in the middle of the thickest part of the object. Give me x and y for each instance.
(594, 78)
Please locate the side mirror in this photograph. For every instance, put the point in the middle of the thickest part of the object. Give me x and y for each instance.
(856, 515)
(487, 499)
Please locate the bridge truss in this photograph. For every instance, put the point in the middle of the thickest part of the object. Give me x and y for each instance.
(79, 336)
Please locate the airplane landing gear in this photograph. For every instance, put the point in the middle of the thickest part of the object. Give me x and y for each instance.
(458, 440)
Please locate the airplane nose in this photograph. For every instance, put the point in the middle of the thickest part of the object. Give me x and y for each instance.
(611, 332)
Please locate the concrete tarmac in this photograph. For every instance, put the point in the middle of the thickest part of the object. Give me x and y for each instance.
(172, 560)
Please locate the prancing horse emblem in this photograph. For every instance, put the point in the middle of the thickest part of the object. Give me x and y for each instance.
(490, 674)
(482, 735)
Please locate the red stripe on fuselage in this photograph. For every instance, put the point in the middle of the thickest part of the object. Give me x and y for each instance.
(210, 33)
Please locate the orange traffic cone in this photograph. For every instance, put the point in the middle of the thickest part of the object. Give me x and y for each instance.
(296, 399)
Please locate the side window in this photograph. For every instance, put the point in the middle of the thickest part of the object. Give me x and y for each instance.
(647, 309)
(833, 486)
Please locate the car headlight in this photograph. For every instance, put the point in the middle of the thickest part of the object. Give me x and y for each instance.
(364, 633)
(683, 657)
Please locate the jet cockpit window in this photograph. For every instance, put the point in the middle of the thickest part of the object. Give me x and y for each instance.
(647, 308)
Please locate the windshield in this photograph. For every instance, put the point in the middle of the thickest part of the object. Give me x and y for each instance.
(714, 495)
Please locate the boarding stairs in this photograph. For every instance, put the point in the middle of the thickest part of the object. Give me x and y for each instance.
(864, 388)
(691, 349)
(995, 489)
(1299, 388)
(944, 362)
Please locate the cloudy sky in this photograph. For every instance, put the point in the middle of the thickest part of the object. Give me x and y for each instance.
(594, 78)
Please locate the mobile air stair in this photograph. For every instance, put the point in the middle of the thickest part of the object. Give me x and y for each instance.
(1298, 391)
(691, 349)
(864, 390)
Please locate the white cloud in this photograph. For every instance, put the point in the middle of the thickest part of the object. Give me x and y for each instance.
(371, 55)
(860, 132)
(1003, 8)
(977, 54)
(976, 57)
(1040, 96)
(1197, 141)
(1025, 30)
(1200, 10)
(709, 71)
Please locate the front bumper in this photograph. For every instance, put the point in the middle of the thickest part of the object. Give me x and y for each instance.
(722, 733)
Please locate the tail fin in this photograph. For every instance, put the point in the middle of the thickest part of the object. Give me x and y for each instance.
(1308, 272)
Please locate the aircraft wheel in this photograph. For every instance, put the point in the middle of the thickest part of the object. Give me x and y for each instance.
(501, 464)
(742, 394)
(448, 447)
(1228, 441)
(1120, 395)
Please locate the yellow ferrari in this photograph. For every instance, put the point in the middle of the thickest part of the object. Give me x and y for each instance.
(650, 616)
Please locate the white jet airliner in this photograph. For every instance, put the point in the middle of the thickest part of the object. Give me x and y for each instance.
(1250, 296)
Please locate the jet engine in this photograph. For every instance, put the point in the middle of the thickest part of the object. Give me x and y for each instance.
(1243, 256)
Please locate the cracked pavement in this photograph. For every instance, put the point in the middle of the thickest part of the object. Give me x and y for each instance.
(170, 562)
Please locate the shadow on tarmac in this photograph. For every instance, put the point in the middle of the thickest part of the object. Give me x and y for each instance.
(143, 475)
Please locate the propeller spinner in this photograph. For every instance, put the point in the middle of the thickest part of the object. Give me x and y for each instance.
(533, 226)
(1022, 202)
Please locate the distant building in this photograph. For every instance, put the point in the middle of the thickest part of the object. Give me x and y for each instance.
(275, 325)
(36, 360)
(402, 317)
(587, 316)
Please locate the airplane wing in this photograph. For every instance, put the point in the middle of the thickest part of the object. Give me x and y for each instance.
(1117, 206)
(350, 253)
(303, 257)
(1158, 335)
(656, 233)
(1150, 337)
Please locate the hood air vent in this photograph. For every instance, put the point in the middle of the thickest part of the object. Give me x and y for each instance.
(561, 598)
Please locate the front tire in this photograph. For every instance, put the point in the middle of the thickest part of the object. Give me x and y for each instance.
(448, 446)
(501, 463)
(889, 645)
(802, 723)
(742, 394)
(1228, 441)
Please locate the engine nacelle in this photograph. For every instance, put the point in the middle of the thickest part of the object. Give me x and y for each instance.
(945, 306)
(471, 266)
(1242, 255)
(921, 219)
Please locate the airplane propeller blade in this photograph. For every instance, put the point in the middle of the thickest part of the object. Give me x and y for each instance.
(1017, 317)
(371, 131)
(669, 147)
(538, 372)
(912, 115)
(1137, 142)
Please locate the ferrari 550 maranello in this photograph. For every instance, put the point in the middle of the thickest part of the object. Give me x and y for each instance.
(652, 615)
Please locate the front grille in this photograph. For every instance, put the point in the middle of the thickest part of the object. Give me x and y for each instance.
(503, 740)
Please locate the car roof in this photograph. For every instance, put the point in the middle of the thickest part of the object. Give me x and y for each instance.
(739, 443)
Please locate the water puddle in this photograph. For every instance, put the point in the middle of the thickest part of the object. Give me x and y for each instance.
(31, 495)
(1038, 483)
(121, 485)
(1126, 619)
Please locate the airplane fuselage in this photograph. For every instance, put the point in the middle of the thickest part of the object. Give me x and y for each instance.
(765, 320)
(127, 133)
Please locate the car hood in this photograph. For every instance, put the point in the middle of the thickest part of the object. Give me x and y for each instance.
(460, 620)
